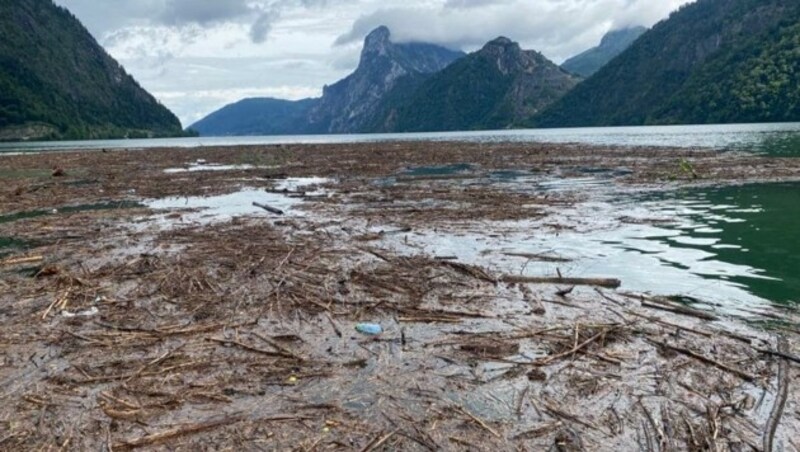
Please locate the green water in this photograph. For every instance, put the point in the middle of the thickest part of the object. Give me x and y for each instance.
(70, 209)
(751, 226)
(444, 170)
(775, 145)
(9, 245)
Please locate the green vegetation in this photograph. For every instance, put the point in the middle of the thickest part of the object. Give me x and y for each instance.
(464, 96)
(494, 88)
(751, 82)
(711, 61)
(56, 82)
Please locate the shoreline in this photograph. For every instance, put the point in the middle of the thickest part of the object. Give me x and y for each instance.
(142, 327)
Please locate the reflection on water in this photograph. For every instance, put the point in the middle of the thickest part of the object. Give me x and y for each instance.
(733, 248)
(753, 228)
(776, 139)
(221, 208)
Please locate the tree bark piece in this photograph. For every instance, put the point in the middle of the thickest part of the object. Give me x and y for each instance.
(610, 283)
(269, 209)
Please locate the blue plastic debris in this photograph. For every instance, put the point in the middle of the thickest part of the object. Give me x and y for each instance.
(370, 329)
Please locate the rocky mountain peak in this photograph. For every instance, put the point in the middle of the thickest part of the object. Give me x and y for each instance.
(508, 56)
(346, 105)
(501, 42)
(377, 41)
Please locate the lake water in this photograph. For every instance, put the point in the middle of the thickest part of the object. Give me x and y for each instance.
(732, 247)
(775, 139)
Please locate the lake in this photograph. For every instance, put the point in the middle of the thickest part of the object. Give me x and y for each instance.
(731, 246)
(773, 139)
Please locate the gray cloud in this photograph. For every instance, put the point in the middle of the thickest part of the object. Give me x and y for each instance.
(471, 3)
(179, 12)
(263, 26)
(558, 28)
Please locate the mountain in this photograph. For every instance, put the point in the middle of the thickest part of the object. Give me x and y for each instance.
(346, 106)
(712, 61)
(57, 82)
(386, 68)
(497, 87)
(612, 44)
(258, 116)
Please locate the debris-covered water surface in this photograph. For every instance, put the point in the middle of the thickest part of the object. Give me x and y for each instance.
(441, 296)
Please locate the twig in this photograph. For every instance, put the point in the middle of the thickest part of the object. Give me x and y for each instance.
(378, 442)
(780, 354)
(480, 422)
(551, 358)
(335, 327)
(160, 437)
(744, 375)
(780, 399)
(253, 349)
(564, 415)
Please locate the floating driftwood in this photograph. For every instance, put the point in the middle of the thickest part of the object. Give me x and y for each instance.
(668, 306)
(610, 283)
(269, 208)
(21, 260)
(780, 398)
(539, 257)
(744, 375)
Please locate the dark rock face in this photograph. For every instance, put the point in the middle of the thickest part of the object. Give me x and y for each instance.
(612, 44)
(347, 106)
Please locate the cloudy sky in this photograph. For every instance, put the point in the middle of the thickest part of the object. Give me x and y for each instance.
(198, 55)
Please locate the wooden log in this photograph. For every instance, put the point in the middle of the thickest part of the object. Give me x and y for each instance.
(780, 398)
(269, 209)
(609, 283)
(21, 260)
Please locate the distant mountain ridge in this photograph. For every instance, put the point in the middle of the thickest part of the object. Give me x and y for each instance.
(712, 61)
(411, 87)
(613, 43)
(56, 82)
(258, 116)
(346, 106)
(497, 87)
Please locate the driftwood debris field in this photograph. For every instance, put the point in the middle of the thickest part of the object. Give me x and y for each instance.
(186, 299)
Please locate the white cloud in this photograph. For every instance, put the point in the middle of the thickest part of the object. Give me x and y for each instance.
(557, 28)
